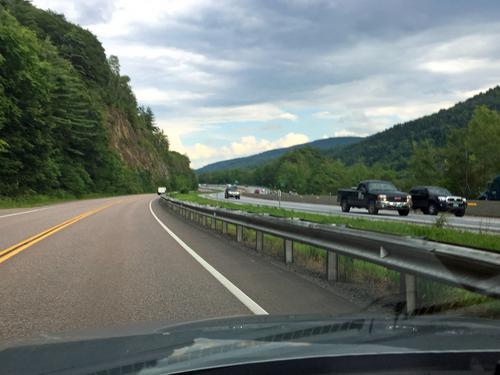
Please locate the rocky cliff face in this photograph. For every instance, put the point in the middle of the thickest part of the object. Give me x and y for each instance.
(133, 146)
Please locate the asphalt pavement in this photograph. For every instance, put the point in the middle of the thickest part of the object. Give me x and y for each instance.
(472, 223)
(116, 262)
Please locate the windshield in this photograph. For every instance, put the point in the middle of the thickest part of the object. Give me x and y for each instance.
(439, 191)
(382, 186)
(236, 168)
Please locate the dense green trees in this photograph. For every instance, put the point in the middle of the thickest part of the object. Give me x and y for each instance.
(305, 171)
(69, 122)
(393, 147)
(472, 154)
(469, 159)
(24, 81)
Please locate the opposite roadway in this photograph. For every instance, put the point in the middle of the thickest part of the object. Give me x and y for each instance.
(118, 262)
(472, 223)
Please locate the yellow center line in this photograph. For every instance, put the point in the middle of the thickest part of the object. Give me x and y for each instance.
(23, 245)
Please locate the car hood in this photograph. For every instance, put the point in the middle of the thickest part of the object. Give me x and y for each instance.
(223, 342)
(390, 193)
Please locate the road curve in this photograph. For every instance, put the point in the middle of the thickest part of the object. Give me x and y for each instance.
(118, 266)
(483, 224)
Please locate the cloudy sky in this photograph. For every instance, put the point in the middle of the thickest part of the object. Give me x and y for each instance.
(231, 78)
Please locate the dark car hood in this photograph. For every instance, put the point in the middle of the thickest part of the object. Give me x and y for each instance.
(390, 193)
(218, 342)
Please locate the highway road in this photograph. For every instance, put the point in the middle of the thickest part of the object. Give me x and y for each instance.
(472, 223)
(125, 261)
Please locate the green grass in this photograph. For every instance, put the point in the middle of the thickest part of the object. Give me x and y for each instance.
(42, 200)
(429, 232)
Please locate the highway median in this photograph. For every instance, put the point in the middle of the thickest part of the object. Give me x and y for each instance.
(436, 232)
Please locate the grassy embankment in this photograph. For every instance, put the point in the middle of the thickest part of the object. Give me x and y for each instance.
(380, 280)
(430, 232)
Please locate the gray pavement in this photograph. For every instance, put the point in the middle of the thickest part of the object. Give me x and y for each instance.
(119, 267)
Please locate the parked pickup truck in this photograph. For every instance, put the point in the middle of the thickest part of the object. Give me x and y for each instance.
(433, 199)
(375, 195)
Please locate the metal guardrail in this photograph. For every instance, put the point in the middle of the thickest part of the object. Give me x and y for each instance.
(467, 268)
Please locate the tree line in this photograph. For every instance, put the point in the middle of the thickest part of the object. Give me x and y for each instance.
(62, 103)
(468, 160)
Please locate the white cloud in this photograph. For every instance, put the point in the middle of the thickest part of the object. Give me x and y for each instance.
(349, 133)
(456, 66)
(253, 112)
(201, 154)
(152, 95)
(324, 115)
(203, 119)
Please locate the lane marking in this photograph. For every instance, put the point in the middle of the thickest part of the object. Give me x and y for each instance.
(23, 212)
(235, 291)
(23, 245)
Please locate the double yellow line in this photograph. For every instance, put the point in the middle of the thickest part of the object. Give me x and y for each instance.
(23, 245)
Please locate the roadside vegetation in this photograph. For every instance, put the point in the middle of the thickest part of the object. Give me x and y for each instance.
(43, 200)
(430, 232)
(70, 124)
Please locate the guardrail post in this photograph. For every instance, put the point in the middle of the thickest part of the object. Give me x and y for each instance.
(259, 240)
(411, 293)
(224, 227)
(239, 233)
(191, 216)
(288, 251)
(214, 222)
(402, 285)
(204, 221)
(332, 266)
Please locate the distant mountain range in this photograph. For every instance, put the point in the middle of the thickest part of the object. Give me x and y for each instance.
(327, 144)
(392, 147)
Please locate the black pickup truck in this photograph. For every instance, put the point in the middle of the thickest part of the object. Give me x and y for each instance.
(375, 195)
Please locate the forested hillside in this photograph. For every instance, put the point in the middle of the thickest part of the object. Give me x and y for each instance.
(394, 146)
(69, 121)
(264, 157)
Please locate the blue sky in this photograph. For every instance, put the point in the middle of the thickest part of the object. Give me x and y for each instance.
(232, 78)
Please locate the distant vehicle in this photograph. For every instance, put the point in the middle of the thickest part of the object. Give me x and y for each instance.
(162, 190)
(232, 192)
(375, 195)
(434, 199)
(256, 191)
(493, 191)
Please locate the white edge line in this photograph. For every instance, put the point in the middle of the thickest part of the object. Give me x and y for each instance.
(237, 292)
(23, 212)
